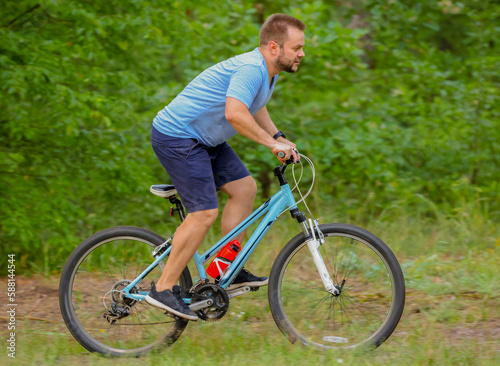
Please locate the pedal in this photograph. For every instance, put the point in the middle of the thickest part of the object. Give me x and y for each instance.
(173, 316)
(253, 289)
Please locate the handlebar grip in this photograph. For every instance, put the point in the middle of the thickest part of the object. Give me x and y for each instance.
(281, 154)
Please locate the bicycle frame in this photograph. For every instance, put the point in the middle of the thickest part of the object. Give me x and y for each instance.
(282, 200)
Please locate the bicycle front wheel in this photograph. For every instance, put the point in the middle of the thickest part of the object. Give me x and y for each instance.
(371, 299)
(89, 292)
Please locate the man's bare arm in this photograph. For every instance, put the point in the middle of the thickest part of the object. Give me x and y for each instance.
(242, 121)
(264, 120)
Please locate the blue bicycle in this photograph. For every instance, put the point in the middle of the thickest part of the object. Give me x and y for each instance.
(331, 286)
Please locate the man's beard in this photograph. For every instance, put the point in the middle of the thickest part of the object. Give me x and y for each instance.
(285, 64)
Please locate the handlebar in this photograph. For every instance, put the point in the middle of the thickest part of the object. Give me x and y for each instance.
(281, 155)
(279, 171)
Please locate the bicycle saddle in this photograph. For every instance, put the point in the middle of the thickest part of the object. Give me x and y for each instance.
(163, 190)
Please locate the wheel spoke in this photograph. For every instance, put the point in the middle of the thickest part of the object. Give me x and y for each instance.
(349, 319)
(105, 268)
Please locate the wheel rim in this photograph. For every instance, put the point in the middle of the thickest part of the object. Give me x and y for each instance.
(358, 315)
(95, 280)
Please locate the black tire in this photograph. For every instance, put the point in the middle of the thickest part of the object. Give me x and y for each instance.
(94, 271)
(371, 301)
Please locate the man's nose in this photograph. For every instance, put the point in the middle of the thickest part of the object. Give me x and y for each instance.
(301, 54)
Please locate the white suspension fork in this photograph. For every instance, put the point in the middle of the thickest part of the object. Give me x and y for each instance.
(313, 244)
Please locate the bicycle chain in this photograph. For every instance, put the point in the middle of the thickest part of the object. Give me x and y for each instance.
(198, 290)
(145, 323)
(113, 321)
(112, 318)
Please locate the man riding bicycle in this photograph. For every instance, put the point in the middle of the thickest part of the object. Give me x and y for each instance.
(188, 137)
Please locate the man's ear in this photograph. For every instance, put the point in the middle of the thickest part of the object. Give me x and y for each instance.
(274, 48)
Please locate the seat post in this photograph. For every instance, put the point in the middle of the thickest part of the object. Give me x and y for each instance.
(178, 207)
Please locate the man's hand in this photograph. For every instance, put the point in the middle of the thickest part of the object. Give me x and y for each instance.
(294, 147)
(285, 141)
(288, 149)
(262, 131)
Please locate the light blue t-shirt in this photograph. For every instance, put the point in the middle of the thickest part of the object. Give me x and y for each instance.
(199, 110)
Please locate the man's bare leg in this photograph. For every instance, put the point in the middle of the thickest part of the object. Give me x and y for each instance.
(239, 205)
(241, 195)
(188, 237)
(186, 241)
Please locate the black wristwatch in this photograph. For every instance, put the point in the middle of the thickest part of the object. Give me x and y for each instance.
(279, 134)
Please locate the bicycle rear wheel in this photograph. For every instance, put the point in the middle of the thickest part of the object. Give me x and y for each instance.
(372, 296)
(90, 285)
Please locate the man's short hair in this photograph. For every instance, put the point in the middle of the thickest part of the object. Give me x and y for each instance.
(275, 28)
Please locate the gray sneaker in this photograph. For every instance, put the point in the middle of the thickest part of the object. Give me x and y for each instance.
(170, 301)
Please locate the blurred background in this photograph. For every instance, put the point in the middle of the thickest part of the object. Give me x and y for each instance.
(396, 102)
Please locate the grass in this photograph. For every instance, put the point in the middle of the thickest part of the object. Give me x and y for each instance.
(452, 312)
(439, 330)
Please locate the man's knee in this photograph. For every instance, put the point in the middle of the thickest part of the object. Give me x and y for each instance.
(251, 188)
(241, 189)
(205, 217)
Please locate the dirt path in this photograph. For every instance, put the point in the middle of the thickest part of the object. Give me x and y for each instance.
(36, 298)
(468, 316)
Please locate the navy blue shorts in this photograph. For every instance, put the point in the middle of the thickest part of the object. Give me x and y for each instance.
(197, 171)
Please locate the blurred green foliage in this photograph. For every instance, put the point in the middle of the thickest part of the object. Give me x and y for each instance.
(396, 102)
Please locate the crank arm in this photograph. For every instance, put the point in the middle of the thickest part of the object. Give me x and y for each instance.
(201, 305)
(238, 291)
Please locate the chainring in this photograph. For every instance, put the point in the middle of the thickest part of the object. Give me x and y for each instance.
(219, 297)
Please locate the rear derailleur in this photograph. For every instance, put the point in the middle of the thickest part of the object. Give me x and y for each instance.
(115, 313)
